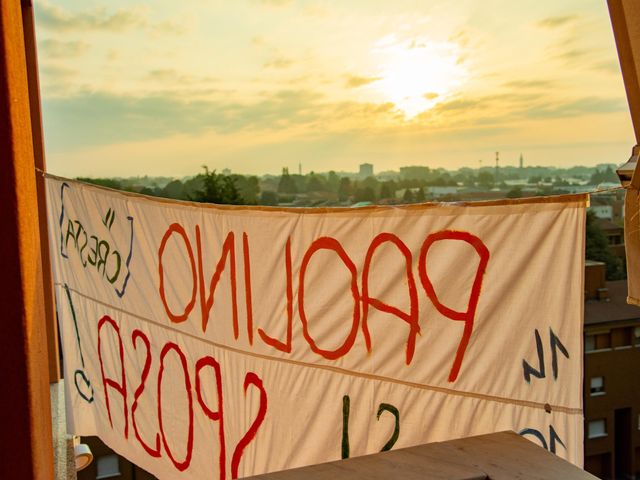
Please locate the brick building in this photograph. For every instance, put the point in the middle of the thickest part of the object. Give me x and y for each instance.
(611, 377)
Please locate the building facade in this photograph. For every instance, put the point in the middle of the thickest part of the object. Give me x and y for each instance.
(611, 378)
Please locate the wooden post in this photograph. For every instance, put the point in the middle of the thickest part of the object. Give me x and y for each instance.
(25, 411)
(40, 163)
(625, 20)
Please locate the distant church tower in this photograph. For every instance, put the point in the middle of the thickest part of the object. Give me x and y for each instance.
(521, 162)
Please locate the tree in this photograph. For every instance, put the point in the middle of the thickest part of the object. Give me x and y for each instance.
(230, 193)
(267, 197)
(535, 179)
(371, 182)
(515, 192)
(603, 176)
(387, 190)
(174, 189)
(366, 194)
(333, 181)
(218, 188)
(103, 182)
(408, 196)
(286, 184)
(597, 248)
(485, 179)
(344, 190)
(316, 183)
(249, 188)
(419, 196)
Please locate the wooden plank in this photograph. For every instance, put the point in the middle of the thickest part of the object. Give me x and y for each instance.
(40, 163)
(507, 456)
(415, 463)
(625, 20)
(26, 435)
(497, 456)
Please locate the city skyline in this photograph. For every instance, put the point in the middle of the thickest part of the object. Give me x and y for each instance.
(131, 88)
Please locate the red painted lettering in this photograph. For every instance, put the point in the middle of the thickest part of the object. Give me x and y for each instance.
(277, 344)
(250, 379)
(137, 334)
(206, 303)
(329, 243)
(177, 228)
(212, 414)
(121, 387)
(412, 317)
(467, 316)
(183, 465)
(247, 285)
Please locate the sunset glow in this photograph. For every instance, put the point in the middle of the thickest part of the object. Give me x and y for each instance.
(417, 75)
(134, 87)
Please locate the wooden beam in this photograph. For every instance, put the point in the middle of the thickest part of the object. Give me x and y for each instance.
(625, 20)
(28, 26)
(25, 411)
(496, 456)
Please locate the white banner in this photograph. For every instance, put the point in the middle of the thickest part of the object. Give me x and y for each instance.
(212, 342)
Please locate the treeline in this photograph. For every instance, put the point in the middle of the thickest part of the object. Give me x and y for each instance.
(209, 187)
(214, 187)
(344, 189)
(406, 187)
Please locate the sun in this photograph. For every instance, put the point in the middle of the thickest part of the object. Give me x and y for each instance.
(416, 75)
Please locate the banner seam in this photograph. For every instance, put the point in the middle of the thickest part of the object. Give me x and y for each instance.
(480, 396)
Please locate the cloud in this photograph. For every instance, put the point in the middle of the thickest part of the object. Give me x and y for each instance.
(94, 118)
(581, 106)
(557, 21)
(573, 55)
(52, 48)
(529, 84)
(499, 103)
(354, 81)
(279, 63)
(99, 18)
(273, 3)
(55, 17)
(168, 27)
(55, 72)
(174, 77)
(607, 66)
(513, 107)
(258, 41)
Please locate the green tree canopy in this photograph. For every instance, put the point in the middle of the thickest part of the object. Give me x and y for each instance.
(597, 248)
(218, 188)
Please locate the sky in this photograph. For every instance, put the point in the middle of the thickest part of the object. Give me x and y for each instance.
(162, 87)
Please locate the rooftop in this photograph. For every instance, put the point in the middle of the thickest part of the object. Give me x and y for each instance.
(616, 309)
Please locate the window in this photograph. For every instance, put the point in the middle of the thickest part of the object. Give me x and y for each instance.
(621, 337)
(597, 386)
(108, 467)
(636, 334)
(598, 341)
(615, 240)
(597, 428)
(603, 341)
